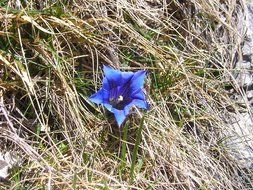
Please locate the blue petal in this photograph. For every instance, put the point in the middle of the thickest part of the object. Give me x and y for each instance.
(125, 89)
(114, 92)
(138, 80)
(119, 116)
(105, 84)
(114, 77)
(138, 94)
(126, 76)
(136, 102)
(100, 97)
(108, 106)
(141, 104)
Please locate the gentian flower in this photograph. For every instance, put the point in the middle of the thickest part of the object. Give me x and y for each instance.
(121, 91)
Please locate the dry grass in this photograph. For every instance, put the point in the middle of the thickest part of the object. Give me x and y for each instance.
(50, 62)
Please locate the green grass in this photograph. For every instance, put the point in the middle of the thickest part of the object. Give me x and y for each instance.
(135, 152)
(51, 55)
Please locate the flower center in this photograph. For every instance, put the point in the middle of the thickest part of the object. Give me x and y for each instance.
(118, 102)
(120, 98)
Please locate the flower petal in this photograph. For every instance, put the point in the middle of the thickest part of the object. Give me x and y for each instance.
(125, 89)
(137, 80)
(126, 76)
(119, 116)
(101, 96)
(105, 84)
(138, 94)
(108, 106)
(114, 77)
(138, 103)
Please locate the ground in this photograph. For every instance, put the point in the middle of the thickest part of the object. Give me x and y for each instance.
(51, 59)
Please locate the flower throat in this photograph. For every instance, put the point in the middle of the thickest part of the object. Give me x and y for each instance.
(117, 103)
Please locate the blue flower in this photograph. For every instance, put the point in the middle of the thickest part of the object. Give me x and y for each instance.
(121, 91)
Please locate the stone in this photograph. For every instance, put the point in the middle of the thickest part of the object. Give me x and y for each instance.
(7, 161)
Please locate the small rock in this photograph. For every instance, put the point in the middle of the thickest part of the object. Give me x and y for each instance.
(249, 94)
(241, 139)
(3, 169)
(7, 161)
(244, 78)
